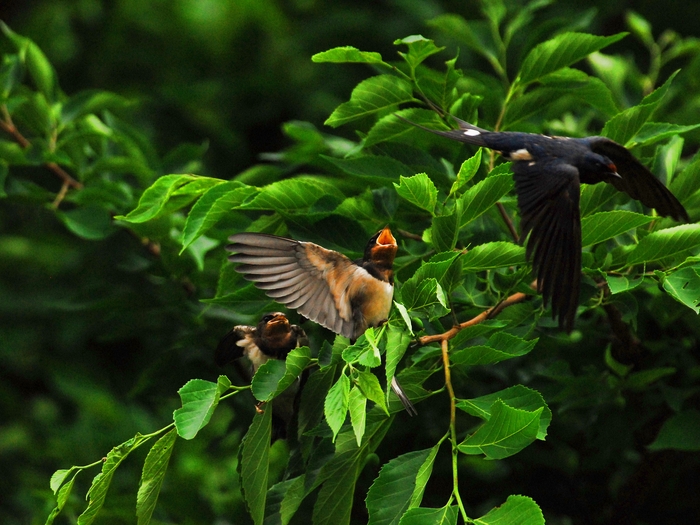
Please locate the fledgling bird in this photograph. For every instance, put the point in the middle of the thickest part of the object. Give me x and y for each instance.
(273, 338)
(323, 285)
(548, 172)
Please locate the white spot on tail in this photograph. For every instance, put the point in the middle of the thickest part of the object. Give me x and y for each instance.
(472, 133)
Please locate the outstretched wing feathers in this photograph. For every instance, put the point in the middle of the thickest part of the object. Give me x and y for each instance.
(301, 275)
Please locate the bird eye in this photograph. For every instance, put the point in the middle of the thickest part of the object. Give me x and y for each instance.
(267, 318)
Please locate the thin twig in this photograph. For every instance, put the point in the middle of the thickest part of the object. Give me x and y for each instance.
(410, 235)
(518, 297)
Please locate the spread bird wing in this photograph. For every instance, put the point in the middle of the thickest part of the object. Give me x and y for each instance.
(301, 275)
(637, 181)
(300, 336)
(548, 198)
(228, 348)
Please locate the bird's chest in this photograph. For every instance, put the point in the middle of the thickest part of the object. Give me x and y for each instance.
(252, 352)
(373, 299)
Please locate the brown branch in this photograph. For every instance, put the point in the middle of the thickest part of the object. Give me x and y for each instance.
(508, 221)
(492, 312)
(8, 126)
(410, 235)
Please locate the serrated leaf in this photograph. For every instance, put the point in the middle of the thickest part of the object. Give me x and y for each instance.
(652, 132)
(372, 390)
(392, 492)
(491, 255)
(371, 96)
(519, 510)
(199, 400)
(334, 501)
(561, 51)
(62, 493)
(101, 482)
(372, 167)
(335, 407)
(480, 197)
(684, 286)
(444, 267)
(92, 222)
(155, 198)
(625, 125)
(424, 295)
(91, 101)
(212, 206)
(429, 516)
(500, 346)
(348, 54)
(605, 225)
(593, 196)
(680, 432)
(37, 64)
(418, 190)
(467, 170)
(397, 342)
(254, 464)
(619, 284)
(517, 396)
(275, 376)
(665, 243)
(357, 406)
(283, 500)
(152, 476)
(419, 48)
(507, 432)
(444, 230)
(292, 194)
(687, 182)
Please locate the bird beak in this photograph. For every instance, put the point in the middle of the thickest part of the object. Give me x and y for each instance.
(613, 171)
(386, 238)
(278, 319)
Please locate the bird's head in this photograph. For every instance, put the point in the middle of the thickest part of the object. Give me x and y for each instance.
(274, 325)
(381, 248)
(601, 166)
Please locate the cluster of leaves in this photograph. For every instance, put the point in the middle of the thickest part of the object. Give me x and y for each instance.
(458, 257)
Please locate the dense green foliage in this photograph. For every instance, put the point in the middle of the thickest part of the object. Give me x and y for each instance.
(119, 289)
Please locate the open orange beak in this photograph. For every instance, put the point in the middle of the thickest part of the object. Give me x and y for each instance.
(385, 237)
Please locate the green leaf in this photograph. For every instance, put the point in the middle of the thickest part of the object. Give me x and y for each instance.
(372, 390)
(334, 501)
(101, 482)
(444, 231)
(519, 510)
(90, 222)
(152, 476)
(292, 194)
(687, 182)
(199, 400)
(254, 462)
(605, 225)
(357, 406)
(665, 243)
(37, 64)
(275, 376)
(370, 96)
(418, 190)
(652, 132)
(392, 493)
(154, 198)
(684, 286)
(445, 267)
(507, 432)
(680, 432)
(91, 101)
(642, 379)
(62, 492)
(619, 284)
(428, 516)
(283, 500)
(500, 346)
(491, 255)
(561, 51)
(397, 341)
(335, 407)
(467, 170)
(372, 167)
(625, 125)
(419, 48)
(480, 197)
(517, 396)
(424, 295)
(593, 196)
(213, 206)
(348, 54)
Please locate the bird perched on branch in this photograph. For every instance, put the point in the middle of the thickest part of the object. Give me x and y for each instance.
(548, 172)
(323, 285)
(273, 338)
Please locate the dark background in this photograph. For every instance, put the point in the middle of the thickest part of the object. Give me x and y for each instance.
(77, 378)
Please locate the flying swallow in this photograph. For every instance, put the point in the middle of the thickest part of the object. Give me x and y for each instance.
(323, 285)
(548, 172)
